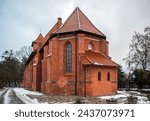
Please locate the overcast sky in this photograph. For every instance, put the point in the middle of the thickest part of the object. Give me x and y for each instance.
(21, 21)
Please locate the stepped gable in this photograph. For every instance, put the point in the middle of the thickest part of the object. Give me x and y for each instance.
(77, 21)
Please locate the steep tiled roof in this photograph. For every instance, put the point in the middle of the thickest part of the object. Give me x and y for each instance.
(30, 57)
(51, 31)
(78, 21)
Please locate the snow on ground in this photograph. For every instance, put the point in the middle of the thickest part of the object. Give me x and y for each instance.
(22, 93)
(7, 97)
(135, 92)
(145, 89)
(122, 96)
(2, 91)
(142, 100)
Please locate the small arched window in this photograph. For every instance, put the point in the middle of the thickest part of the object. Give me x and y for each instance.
(108, 76)
(99, 76)
(68, 57)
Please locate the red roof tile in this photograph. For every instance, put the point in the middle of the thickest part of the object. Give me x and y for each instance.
(78, 21)
(53, 29)
(98, 59)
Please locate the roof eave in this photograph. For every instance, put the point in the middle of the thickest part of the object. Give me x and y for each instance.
(70, 32)
(33, 42)
(81, 31)
(94, 65)
(30, 57)
(51, 36)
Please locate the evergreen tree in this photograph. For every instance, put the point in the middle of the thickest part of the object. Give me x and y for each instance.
(121, 76)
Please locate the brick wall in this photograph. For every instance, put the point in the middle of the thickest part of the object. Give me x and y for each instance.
(49, 74)
(103, 86)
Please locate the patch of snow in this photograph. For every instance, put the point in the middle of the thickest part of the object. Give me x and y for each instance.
(24, 91)
(55, 102)
(45, 103)
(142, 100)
(135, 92)
(2, 92)
(121, 97)
(124, 91)
(7, 97)
(113, 96)
(21, 93)
(123, 101)
(134, 89)
(120, 94)
(36, 100)
(25, 99)
(67, 102)
(145, 89)
(96, 63)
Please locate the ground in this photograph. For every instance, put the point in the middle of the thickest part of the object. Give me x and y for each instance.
(23, 96)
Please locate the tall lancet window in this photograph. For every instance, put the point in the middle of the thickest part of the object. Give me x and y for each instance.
(68, 58)
(108, 76)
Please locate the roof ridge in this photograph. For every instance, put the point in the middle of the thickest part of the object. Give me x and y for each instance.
(67, 19)
(78, 21)
(78, 18)
(51, 31)
(91, 23)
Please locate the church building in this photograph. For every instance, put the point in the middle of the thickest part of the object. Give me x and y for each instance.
(71, 59)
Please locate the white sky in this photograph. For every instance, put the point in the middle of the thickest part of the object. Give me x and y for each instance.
(21, 21)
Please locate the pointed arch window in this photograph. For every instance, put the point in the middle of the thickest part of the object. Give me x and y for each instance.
(99, 76)
(68, 58)
(108, 76)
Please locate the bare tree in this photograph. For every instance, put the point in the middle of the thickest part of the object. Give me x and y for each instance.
(139, 53)
(12, 66)
(24, 53)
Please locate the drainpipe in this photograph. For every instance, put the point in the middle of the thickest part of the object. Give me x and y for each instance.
(84, 81)
(76, 60)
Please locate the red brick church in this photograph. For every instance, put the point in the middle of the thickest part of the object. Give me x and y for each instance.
(71, 59)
